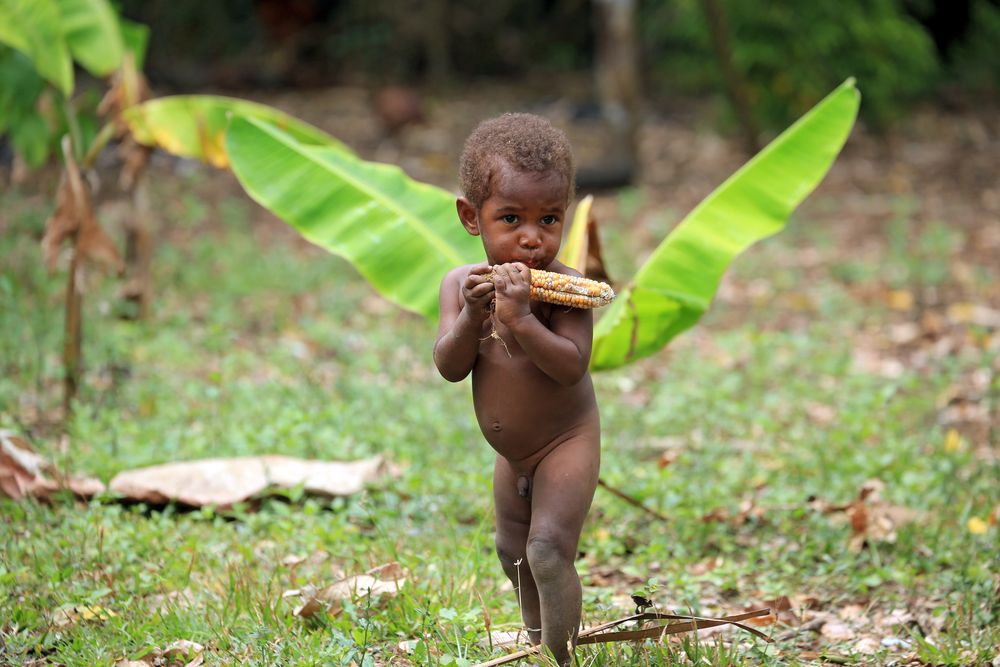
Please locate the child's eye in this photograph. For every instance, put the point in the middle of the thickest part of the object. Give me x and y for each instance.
(549, 220)
(510, 219)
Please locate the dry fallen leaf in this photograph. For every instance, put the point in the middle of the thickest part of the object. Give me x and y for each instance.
(974, 313)
(383, 580)
(181, 653)
(872, 518)
(837, 631)
(705, 566)
(23, 472)
(224, 482)
(80, 613)
(867, 646)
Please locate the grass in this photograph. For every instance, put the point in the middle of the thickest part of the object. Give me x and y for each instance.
(259, 343)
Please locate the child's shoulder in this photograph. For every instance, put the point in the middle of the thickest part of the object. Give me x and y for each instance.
(458, 272)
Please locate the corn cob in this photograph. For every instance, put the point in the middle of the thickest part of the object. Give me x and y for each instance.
(566, 290)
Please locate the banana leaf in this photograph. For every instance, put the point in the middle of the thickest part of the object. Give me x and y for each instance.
(672, 290)
(135, 37)
(574, 248)
(93, 34)
(401, 235)
(194, 126)
(33, 27)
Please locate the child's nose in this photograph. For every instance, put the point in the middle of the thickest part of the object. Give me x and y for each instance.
(530, 239)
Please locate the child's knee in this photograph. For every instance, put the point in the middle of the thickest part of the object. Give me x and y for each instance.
(510, 554)
(550, 556)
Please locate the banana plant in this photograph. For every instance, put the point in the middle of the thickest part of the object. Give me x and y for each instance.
(194, 126)
(403, 236)
(39, 42)
(675, 286)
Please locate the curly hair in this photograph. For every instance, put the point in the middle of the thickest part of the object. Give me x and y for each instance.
(525, 141)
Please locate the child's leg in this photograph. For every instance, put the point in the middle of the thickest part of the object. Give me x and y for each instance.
(513, 517)
(563, 488)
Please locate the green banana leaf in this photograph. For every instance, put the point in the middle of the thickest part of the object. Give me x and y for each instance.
(672, 290)
(194, 126)
(401, 235)
(33, 27)
(135, 37)
(93, 34)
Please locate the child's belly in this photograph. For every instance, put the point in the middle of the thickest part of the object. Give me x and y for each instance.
(522, 411)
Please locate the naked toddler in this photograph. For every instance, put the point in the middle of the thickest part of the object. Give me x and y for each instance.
(531, 389)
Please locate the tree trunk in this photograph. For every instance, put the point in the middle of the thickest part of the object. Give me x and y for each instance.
(618, 84)
(436, 38)
(735, 86)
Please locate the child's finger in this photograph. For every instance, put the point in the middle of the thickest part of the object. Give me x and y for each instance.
(480, 290)
(500, 277)
(472, 280)
(509, 276)
(480, 269)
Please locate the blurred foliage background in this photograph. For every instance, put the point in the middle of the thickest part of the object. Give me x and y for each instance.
(903, 52)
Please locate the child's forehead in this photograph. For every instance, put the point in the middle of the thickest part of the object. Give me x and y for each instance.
(509, 181)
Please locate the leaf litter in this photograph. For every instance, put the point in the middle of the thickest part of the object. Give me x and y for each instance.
(181, 653)
(382, 581)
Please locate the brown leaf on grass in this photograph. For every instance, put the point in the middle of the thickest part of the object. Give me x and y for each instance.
(388, 572)
(23, 472)
(606, 576)
(837, 631)
(872, 518)
(748, 509)
(705, 566)
(666, 459)
(181, 653)
(224, 482)
(383, 580)
(781, 611)
(975, 314)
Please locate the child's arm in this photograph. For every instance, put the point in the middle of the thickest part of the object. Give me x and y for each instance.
(561, 350)
(465, 298)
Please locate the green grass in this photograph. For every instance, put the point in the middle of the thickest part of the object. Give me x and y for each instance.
(259, 343)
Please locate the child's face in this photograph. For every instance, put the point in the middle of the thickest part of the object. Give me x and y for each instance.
(522, 219)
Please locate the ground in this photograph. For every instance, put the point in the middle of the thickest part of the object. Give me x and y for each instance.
(855, 354)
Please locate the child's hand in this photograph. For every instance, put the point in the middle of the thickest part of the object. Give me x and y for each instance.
(478, 291)
(513, 291)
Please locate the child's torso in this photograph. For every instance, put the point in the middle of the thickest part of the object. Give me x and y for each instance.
(520, 409)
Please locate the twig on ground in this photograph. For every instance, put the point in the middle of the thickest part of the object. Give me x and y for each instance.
(598, 634)
(630, 500)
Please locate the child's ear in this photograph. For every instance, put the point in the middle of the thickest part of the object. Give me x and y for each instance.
(468, 215)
